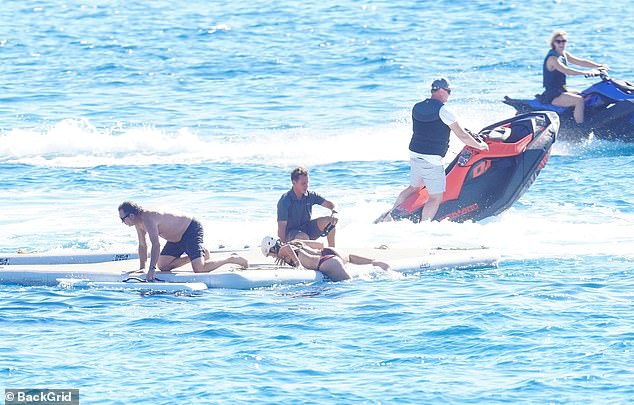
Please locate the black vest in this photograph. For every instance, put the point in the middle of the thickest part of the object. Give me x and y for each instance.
(431, 135)
(554, 80)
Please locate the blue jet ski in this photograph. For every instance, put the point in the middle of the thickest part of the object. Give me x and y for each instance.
(609, 111)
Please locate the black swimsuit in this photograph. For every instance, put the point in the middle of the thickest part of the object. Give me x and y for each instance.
(326, 254)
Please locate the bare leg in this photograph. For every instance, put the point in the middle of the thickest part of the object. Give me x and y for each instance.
(354, 259)
(167, 263)
(569, 99)
(211, 265)
(431, 206)
(300, 236)
(331, 237)
(322, 223)
(579, 112)
(405, 194)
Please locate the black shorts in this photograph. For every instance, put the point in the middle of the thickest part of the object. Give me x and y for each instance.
(548, 96)
(310, 228)
(191, 243)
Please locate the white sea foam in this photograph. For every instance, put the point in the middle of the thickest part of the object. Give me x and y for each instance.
(523, 232)
(550, 230)
(77, 143)
(543, 229)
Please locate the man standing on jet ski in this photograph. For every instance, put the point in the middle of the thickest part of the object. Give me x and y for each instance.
(432, 123)
(556, 69)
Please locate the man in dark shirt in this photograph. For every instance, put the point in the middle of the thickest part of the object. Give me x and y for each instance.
(294, 211)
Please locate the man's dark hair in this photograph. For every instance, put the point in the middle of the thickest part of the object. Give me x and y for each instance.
(298, 171)
(129, 207)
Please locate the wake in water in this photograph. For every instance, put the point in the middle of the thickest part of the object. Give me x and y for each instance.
(569, 210)
(76, 143)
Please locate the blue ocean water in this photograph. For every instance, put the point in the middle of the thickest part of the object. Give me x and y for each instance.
(206, 108)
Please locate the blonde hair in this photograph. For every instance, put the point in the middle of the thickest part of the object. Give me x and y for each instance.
(557, 33)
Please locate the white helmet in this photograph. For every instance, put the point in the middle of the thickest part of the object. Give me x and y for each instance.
(267, 243)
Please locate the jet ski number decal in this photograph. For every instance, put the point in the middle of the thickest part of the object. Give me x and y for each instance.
(480, 168)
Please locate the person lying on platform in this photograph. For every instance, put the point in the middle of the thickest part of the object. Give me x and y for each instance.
(183, 234)
(312, 255)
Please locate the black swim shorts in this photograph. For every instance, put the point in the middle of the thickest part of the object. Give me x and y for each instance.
(548, 96)
(191, 243)
(310, 228)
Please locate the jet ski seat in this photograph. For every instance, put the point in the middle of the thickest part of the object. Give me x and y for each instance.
(625, 86)
(498, 134)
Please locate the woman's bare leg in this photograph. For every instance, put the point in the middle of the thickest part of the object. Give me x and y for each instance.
(355, 259)
(568, 99)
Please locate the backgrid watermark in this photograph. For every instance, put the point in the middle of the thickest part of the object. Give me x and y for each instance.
(37, 396)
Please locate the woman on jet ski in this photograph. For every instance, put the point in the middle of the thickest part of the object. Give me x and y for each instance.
(556, 69)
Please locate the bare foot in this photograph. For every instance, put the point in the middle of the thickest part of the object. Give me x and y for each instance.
(240, 261)
(382, 265)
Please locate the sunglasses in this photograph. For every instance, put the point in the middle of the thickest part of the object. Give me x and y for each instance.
(561, 41)
(124, 218)
(447, 90)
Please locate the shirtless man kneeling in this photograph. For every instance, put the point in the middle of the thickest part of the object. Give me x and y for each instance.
(183, 235)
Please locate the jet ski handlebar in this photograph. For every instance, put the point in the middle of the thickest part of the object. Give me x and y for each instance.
(477, 136)
(602, 73)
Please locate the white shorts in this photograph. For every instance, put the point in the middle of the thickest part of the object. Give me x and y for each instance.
(424, 173)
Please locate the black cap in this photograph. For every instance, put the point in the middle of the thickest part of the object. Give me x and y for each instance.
(441, 83)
